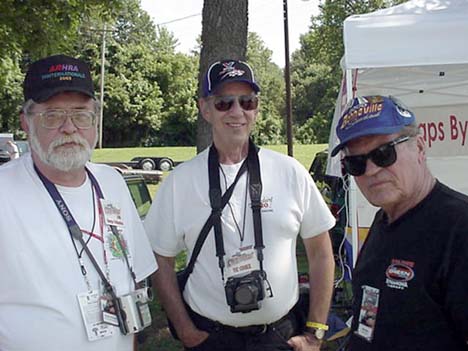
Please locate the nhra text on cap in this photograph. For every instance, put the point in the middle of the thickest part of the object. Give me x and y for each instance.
(228, 71)
(56, 74)
(371, 115)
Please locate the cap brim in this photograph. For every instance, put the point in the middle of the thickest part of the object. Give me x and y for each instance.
(253, 85)
(363, 133)
(46, 94)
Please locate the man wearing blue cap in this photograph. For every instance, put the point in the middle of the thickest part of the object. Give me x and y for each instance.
(243, 291)
(410, 282)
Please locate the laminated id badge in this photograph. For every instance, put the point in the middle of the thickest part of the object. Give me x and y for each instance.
(242, 262)
(90, 306)
(368, 312)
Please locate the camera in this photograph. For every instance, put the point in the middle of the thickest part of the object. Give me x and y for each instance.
(243, 294)
(134, 311)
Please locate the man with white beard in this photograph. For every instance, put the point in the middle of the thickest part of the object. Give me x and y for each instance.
(73, 251)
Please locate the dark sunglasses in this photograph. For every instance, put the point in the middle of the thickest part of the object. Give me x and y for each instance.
(383, 156)
(224, 103)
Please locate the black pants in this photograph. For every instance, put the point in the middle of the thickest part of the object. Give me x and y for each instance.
(273, 337)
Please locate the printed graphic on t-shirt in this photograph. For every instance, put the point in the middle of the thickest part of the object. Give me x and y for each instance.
(117, 246)
(267, 204)
(399, 273)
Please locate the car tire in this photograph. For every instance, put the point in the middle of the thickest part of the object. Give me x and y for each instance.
(165, 164)
(147, 164)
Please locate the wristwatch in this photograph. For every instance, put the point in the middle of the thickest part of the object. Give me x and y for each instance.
(316, 329)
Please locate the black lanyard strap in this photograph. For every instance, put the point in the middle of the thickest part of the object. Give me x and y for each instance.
(255, 191)
(208, 224)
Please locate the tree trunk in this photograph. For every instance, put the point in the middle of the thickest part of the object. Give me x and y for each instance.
(224, 36)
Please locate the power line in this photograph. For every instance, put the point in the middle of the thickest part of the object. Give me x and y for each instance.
(179, 19)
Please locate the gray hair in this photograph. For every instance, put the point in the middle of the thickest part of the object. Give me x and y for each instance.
(411, 130)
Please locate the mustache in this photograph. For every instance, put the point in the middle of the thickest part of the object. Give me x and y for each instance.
(66, 139)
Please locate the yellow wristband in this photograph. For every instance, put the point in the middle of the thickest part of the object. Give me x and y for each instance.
(316, 325)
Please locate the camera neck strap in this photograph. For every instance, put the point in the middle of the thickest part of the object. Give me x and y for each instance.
(214, 213)
(75, 231)
(255, 191)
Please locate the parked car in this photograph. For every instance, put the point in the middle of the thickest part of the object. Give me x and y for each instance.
(23, 146)
(4, 156)
(139, 192)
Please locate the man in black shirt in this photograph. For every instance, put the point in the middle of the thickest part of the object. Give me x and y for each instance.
(410, 282)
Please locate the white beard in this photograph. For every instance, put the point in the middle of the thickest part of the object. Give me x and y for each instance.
(63, 158)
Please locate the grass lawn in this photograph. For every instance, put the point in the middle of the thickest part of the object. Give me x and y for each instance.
(303, 153)
(157, 336)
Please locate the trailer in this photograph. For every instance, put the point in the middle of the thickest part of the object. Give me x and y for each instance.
(152, 163)
(146, 163)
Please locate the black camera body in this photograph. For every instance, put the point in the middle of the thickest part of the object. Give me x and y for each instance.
(243, 294)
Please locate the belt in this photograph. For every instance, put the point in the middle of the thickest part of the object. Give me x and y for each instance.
(251, 329)
(207, 324)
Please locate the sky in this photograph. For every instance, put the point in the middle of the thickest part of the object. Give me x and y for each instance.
(183, 18)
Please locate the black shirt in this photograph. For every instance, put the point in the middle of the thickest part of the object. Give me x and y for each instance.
(419, 264)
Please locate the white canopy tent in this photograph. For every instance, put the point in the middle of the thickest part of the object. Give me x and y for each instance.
(418, 52)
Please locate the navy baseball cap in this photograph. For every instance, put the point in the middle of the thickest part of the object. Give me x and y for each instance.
(56, 74)
(227, 71)
(371, 115)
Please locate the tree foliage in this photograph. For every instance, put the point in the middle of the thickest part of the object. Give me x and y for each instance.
(38, 28)
(316, 67)
(270, 125)
(150, 90)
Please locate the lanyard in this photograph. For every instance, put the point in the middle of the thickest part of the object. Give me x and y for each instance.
(75, 231)
(255, 191)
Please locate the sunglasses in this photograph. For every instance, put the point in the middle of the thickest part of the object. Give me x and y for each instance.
(383, 156)
(246, 102)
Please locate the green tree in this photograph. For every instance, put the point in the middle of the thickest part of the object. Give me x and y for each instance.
(39, 28)
(35, 28)
(11, 94)
(149, 89)
(316, 67)
(270, 125)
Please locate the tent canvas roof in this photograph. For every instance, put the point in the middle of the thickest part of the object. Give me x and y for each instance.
(415, 33)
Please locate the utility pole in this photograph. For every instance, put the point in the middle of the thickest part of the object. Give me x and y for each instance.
(103, 64)
(103, 32)
(287, 78)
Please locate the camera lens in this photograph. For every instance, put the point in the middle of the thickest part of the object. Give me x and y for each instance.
(246, 294)
(149, 294)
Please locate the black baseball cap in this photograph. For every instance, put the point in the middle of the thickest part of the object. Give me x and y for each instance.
(227, 71)
(56, 74)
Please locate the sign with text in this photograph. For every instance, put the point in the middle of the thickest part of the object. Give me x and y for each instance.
(445, 129)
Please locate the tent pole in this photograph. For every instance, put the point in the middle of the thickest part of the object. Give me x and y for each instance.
(353, 218)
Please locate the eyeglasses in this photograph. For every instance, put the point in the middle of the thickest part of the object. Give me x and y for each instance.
(383, 156)
(224, 103)
(55, 118)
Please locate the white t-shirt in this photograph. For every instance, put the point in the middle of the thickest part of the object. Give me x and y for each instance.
(41, 274)
(291, 205)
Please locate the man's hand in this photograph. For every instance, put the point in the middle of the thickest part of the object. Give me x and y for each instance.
(304, 342)
(193, 337)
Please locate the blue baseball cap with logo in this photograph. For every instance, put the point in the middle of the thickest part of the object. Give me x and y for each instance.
(227, 71)
(371, 115)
